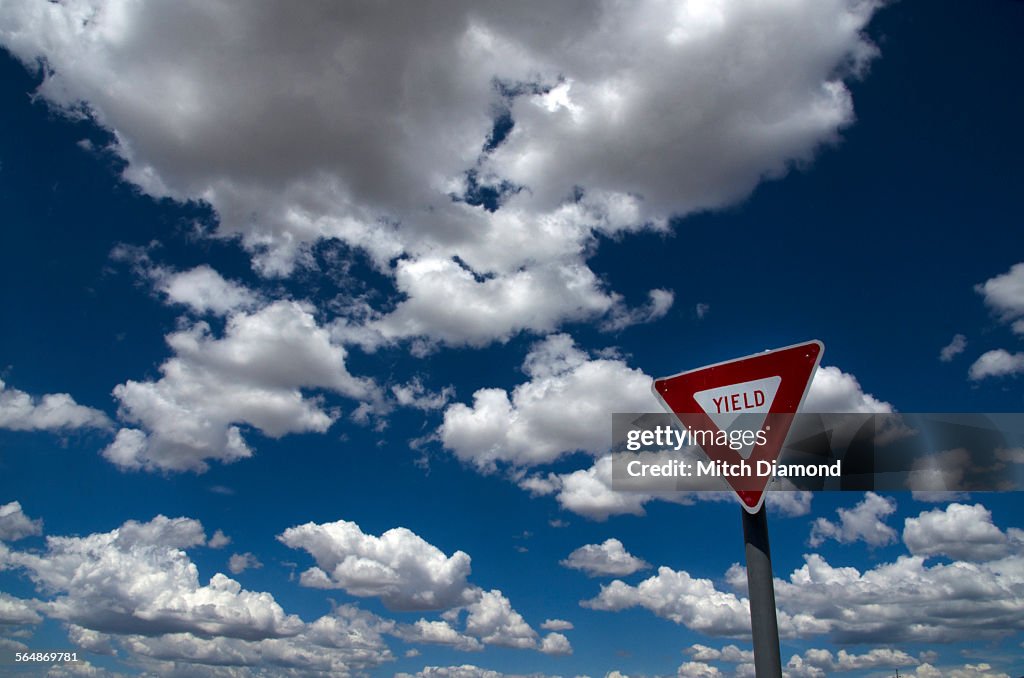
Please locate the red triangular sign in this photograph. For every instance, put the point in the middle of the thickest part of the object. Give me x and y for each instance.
(761, 390)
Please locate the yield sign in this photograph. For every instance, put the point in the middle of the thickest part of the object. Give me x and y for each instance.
(758, 393)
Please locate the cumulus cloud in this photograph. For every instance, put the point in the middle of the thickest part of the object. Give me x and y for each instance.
(1004, 295)
(961, 532)
(996, 363)
(729, 653)
(609, 558)
(906, 600)
(557, 625)
(240, 562)
(204, 290)
(252, 375)
(903, 601)
(492, 619)
(613, 128)
(136, 590)
(138, 578)
(20, 411)
(555, 644)
(399, 567)
(463, 671)
(677, 596)
(564, 407)
(954, 348)
(14, 524)
(439, 632)
(818, 662)
(835, 391)
(864, 522)
(17, 611)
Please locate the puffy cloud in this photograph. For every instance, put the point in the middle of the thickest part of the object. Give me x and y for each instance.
(1004, 294)
(823, 662)
(240, 562)
(52, 412)
(897, 602)
(136, 590)
(729, 653)
(16, 611)
(439, 632)
(996, 363)
(981, 670)
(677, 596)
(658, 305)
(960, 532)
(414, 394)
(555, 644)
(346, 642)
(463, 671)
(835, 391)
(557, 625)
(905, 601)
(204, 290)
(15, 525)
(607, 559)
(620, 118)
(953, 348)
(864, 522)
(137, 579)
(399, 567)
(253, 375)
(697, 670)
(564, 407)
(491, 618)
(218, 540)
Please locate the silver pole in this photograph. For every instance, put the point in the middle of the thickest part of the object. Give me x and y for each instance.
(765, 626)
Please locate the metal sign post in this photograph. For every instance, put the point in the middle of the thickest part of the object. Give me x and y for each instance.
(761, 588)
(768, 388)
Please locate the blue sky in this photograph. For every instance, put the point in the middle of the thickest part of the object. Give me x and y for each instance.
(286, 392)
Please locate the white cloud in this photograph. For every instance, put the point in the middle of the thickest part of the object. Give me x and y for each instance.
(439, 632)
(953, 348)
(905, 601)
(347, 641)
(609, 558)
(399, 567)
(1004, 294)
(622, 118)
(981, 670)
(996, 363)
(835, 391)
(960, 532)
(240, 562)
(694, 603)
(17, 611)
(697, 670)
(463, 671)
(565, 406)
(658, 305)
(555, 644)
(557, 625)
(136, 592)
(253, 375)
(415, 394)
(218, 540)
(14, 524)
(52, 412)
(864, 522)
(491, 619)
(729, 653)
(137, 579)
(204, 290)
(818, 663)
